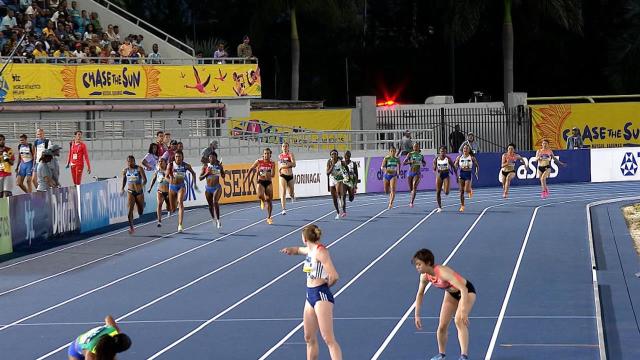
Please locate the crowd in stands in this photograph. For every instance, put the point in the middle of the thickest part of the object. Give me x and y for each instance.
(58, 32)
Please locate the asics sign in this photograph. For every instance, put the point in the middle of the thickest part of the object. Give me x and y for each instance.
(529, 168)
(615, 164)
(629, 165)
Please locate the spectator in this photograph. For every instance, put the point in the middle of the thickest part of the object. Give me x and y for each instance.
(79, 53)
(406, 144)
(54, 166)
(208, 151)
(62, 54)
(200, 57)
(171, 152)
(574, 141)
(9, 22)
(78, 154)
(84, 22)
(126, 48)
(140, 40)
(39, 54)
(25, 4)
(6, 164)
(244, 49)
(95, 22)
(220, 53)
(167, 140)
(161, 148)
(105, 42)
(41, 144)
(45, 177)
(456, 138)
(154, 57)
(49, 30)
(75, 13)
(116, 33)
(473, 144)
(151, 159)
(53, 4)
(89, 33)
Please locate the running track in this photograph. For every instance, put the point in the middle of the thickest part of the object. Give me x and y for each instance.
(229, 294)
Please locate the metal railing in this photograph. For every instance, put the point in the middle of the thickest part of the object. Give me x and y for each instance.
(150, 28)
(127, 60)
(108, 139)
(494, 128)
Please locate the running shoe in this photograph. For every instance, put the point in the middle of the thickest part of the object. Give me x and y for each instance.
(269, 221)
(439, 210)
(218, 224)
(131, 230)
(463, 357)
(461, 208)
(542, 194)
(338, 216)
(261, 205)
(159, 224)
(180, 228)
(284, 212)
(410, 205)
(344, 214)
(439, 357)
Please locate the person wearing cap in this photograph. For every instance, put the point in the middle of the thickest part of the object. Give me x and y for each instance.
(244, 49)
(41, 143)
(406, 144)
(54, 165)
(574, 141)
(78, 154)
(45, 178)
(472, 142)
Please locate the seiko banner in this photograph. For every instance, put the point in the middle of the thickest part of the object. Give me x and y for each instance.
(30, 219)
(94, 206)
(619, 164)
(64, 210)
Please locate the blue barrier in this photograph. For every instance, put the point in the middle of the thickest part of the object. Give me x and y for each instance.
(30, 219)
(65, 217)
(577, 169)
(94, 206)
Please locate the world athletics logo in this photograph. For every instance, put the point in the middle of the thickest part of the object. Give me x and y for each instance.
(629, 166)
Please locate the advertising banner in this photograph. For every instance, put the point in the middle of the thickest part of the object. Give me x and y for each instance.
(150, 198)
(30, 219)
(311, 177)
(375, 176)
(22, 82)
(601, 125)
(64, 210)
(118, 202)
(6, 246)
(615, 164)
(235, 189)
(93, 199)
(278, 126)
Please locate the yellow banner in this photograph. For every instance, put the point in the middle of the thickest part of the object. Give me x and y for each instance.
(600, 125)
(28, 82)
(234, 189)
(278, 126)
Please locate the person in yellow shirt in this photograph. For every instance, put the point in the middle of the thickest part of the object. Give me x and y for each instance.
(49, 30)
(62, 52)
(7, 158)
(39, 54)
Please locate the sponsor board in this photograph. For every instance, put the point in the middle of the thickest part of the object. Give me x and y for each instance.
(236, 189)
(615, 164)
(375, 174)
(64, 210)
(311, 177)
(5, 227)
(94, 205)
(30, 219)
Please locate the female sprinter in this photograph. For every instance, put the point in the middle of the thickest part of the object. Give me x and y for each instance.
(163, 188)
(318, 307)
(287, 163)
(213, 171)
(134, 178)
(465, 163)
(100, 343)
(442, 166)
(177, 172)
(389, 167)
(545, 157)
(508, 168)
(336, 172)
(416, 160)
(459, 297)
(351, 181)
(265, 168)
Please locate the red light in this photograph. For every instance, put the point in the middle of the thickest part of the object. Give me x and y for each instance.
(387, 103)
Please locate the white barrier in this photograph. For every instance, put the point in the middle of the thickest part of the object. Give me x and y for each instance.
(619, 164)
(311, 177)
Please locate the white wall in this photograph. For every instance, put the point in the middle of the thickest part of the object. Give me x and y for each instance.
(619, 164)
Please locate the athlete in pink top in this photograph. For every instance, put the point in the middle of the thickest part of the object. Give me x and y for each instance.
(544, 157)
(459, 297)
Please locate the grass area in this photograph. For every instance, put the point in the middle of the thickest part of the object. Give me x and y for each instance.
(632, 216)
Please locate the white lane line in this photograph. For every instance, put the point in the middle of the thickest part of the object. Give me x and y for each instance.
(353, 280)
(238, 303)
(395, 330)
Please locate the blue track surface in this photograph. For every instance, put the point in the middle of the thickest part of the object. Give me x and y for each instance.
(229, 294)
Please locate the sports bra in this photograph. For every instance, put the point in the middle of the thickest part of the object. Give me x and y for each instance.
(284, 158)
(179, 171)
(392, 165)
(337, 172)
(544, 157)
(161, 178)
(438, 282)
(466, 162)
(314, 268)
(511, 161)
(442, 164)
(214, 171)
(415, 159)
(133, 175)
(264, 168)
(351, 168)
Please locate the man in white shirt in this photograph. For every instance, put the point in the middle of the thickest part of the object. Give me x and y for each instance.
(9, 21)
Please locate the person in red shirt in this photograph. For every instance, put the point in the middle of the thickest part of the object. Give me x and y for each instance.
(265, 169)
(77, 155)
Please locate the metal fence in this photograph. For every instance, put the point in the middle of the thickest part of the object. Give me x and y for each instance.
(494, 128)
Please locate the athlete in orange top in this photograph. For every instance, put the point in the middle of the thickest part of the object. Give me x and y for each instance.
(265, 169)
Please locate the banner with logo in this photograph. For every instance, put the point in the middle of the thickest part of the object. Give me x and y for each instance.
(600, 125)
(30, 219)
(64, 210)
(235, 189)
(6, 246)
(375, 181)
(615, 164)
(151, 198)
(311, 177)
(278, 126)
(94, 205)
(28, 82)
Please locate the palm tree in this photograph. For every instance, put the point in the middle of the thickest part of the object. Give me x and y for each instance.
(466, 16)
